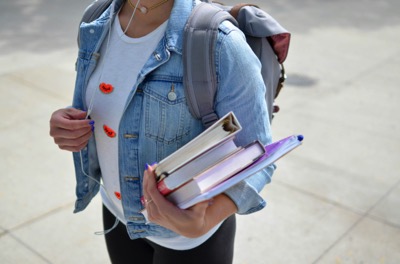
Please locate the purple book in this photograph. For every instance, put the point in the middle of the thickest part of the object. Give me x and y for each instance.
(274, 151)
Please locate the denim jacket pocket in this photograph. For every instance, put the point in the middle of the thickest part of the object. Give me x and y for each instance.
(167, 117)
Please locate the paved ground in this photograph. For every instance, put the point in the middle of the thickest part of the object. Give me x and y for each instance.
(335, 200)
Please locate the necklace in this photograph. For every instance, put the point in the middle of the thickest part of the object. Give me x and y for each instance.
(144, 9)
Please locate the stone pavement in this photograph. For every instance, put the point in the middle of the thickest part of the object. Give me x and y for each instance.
(334, 200)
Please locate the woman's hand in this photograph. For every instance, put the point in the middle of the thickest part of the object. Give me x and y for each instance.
(192, 222)
(70, 130)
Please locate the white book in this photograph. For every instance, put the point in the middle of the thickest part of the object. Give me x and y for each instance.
(222, 130)
(196, 166)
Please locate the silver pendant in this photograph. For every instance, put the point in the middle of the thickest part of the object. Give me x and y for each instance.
(143, 9)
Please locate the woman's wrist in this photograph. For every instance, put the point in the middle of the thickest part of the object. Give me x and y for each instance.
(221, 208)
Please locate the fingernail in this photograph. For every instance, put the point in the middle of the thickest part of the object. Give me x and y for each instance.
(91, 122)
(146, 167)
(92, 128)
(154, 163)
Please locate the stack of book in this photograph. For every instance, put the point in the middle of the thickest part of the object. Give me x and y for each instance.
(212, 162)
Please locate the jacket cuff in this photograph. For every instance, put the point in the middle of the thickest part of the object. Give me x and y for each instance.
(240, 194)
(246, 195)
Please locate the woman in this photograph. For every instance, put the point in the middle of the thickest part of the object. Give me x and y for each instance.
(130, 61)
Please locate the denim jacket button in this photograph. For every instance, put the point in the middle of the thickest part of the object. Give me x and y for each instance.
(172, 96)
(136, 218)
(157, 56)
(129, 136)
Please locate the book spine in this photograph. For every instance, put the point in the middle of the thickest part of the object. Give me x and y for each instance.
(162, 187)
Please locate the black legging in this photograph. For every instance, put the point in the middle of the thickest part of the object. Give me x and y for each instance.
(218, 249)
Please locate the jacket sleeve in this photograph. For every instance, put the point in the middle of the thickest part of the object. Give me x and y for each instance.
(241, 89)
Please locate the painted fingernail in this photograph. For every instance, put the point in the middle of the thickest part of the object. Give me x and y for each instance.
(91, 123)
(146, 167)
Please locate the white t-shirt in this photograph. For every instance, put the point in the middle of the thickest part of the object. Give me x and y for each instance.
(119, 75)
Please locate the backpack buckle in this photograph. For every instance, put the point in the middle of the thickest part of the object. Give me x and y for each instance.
(209, 119)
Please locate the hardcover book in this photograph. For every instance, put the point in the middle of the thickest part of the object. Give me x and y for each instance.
(224, 129)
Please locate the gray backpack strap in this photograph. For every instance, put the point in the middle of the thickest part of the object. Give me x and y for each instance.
(93, 11)
(200, 80)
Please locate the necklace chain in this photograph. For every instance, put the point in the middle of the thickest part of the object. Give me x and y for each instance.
(144, 9)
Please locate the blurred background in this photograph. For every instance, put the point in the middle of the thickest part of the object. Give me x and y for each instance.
(336, 199)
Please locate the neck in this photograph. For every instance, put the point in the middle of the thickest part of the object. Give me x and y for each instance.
(144, 23)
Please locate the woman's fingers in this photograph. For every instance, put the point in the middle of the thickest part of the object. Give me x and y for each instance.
(69, 119)
(190, 222)
(73, 143)
(68, 129)
(158, 205)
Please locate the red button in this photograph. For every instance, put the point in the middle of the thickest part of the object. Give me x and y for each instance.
(106, 88)
(111, 133)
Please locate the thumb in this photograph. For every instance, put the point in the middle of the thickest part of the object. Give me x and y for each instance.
(75, 114)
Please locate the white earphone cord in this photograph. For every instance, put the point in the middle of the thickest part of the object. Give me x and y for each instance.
(104, 232)
(90, 108)
(91, 103)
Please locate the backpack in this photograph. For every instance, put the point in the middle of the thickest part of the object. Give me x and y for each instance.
(267, 38)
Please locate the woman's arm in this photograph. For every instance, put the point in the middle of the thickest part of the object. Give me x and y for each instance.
(192, 222)
(241, 89)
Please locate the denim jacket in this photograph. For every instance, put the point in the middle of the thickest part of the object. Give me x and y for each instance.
(154, 125)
